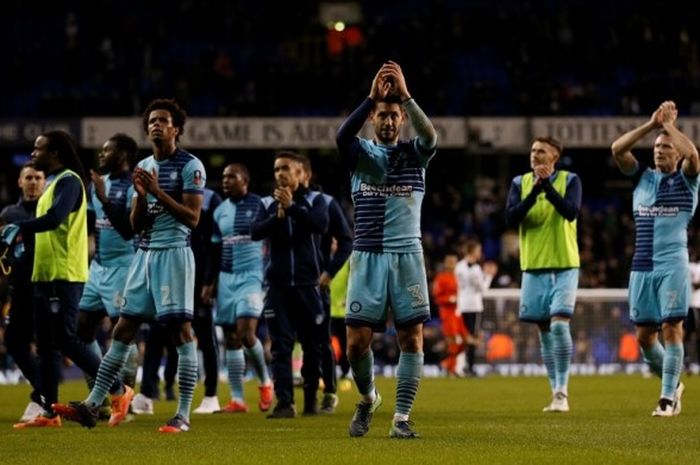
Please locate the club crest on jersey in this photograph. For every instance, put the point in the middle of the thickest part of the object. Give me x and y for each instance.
(118, 300)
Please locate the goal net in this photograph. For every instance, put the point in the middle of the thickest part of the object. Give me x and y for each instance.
(603, 337)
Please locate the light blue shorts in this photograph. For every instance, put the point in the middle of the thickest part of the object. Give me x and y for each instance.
(239, 295)
(659, 296)
(160, 285)
(379, 281)
(104, 289)
(548, 293)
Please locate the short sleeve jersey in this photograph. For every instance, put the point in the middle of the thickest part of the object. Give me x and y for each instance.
(232, 220)
(182, 173)
(111, 249)
(663, 206)
(388, 186)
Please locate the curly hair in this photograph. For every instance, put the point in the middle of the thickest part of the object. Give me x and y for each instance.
(178, 114)
(65, 147)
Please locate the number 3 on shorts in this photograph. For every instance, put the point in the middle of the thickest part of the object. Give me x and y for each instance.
(417, 295)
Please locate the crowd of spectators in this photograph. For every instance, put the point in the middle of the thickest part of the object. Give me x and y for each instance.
(268, 58)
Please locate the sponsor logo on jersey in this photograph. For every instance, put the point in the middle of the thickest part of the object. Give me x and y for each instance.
(658, 210)
(103, 223)
(236, 239)
(385, 190)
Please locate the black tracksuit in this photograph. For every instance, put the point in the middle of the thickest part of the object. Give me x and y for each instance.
(20, 331)
(293, 301)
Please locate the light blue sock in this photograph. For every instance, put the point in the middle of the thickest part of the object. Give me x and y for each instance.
(235, 364)
(673, 363)
(187, 371)
(546, 342)
(112, 363)
(94, 347)
(654, 355)
(562, 348)
(128, 373)
(363, 373)
(256, 354)
(408, 375)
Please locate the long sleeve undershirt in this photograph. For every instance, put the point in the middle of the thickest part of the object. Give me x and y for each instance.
(567, 206)
(67, 198)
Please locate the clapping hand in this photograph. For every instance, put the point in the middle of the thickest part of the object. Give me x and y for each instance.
(283, 195)
(394, 75)
(98, 184)
(668, 112)
(145, 182)
(665, 113)
(543, 172)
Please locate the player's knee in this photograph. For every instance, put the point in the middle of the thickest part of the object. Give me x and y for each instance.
(249, 339)
(412, 345)
(673, 332)
(125, 330)
(233, 342)
(356, 350)
(645, 339)
(182, 335)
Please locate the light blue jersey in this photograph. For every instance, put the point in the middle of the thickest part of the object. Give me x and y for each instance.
(663, 206)
(182, 173)
(113, 253)
(111, 249)
(232, 219)
(388, 185)
(659, 287)
(160, 282)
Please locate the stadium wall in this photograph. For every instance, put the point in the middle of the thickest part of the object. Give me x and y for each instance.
(501, 134)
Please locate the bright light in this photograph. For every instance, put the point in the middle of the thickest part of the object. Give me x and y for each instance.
(339, 26)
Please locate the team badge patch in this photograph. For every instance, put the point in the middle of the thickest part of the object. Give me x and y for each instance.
(198, 181)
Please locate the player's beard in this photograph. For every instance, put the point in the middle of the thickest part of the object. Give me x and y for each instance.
(387, 135)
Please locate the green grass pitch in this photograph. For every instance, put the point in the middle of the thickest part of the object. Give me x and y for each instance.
(493, 420)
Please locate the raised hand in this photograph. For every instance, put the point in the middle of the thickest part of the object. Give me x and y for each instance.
(490, 268)
(99, 185)
(656, 118)
(381, 86)
(668, 112)
(543, 171)
(395, 75)
(138, 183)
(283, 195)
(146, 182)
